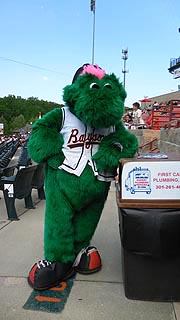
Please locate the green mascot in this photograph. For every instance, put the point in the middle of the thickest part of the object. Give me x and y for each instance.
(80, 146)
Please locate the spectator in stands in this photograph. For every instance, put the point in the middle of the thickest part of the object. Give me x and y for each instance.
(145, 114)
(128, 121)
(164, 103)
(148, 122)
(137, 115)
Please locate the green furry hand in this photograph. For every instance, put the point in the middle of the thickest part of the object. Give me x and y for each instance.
(56, 160)
(114, 147)
(106, 160)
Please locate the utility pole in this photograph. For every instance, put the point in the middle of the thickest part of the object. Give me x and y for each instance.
(124, 57)
(93, 9)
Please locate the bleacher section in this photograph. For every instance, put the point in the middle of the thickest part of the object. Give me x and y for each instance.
(7, 151)
(166, 115)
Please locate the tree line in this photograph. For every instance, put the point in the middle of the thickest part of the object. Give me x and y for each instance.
(17, 112)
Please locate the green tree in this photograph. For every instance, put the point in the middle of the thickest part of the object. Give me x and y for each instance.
(18, 122)
(11, 107)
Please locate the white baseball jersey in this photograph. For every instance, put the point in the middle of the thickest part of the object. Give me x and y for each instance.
(80, 144)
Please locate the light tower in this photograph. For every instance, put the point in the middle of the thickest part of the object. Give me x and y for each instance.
(124, 70)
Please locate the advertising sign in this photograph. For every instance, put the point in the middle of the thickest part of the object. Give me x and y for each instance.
(151, 180)
(176, 73)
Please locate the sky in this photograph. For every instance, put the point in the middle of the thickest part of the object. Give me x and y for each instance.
(43, 43)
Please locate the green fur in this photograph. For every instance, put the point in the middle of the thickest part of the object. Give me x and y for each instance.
(74, 204)
(45, 142)
(73, 209)
(108, 155)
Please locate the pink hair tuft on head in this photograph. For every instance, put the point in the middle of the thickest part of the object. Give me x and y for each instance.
(95, 70)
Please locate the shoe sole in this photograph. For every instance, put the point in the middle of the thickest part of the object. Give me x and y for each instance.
(70, 274)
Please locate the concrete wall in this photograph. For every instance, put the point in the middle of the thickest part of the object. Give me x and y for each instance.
(168, 139)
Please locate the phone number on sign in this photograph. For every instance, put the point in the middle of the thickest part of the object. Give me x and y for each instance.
(167, 187)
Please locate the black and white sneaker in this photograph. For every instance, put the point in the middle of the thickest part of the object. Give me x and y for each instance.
(88, 261)
(45, 274)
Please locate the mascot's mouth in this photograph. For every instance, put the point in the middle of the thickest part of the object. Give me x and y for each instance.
(99, 113)
(104, 120)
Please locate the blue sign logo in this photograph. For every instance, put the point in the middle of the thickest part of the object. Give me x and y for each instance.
(138, 180)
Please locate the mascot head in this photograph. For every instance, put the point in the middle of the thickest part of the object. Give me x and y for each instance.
(95, 97)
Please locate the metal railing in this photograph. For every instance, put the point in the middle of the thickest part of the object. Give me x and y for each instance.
(150, 145)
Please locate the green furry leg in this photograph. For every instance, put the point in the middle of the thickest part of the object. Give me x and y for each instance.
(59, 235)
(85, 222)
(73, 209)
(59, 231)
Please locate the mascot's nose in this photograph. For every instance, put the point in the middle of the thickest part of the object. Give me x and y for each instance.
(94, 86)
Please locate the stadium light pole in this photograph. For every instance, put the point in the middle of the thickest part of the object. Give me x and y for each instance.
(93, 9)
(124, 70)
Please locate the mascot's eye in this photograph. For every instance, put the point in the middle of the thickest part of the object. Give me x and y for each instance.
(94, 85)
(108, 85)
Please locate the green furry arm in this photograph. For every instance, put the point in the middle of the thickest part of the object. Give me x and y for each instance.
(119, 144)
(45, 140)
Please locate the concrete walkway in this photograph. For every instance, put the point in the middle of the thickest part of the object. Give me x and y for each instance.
(99, 296)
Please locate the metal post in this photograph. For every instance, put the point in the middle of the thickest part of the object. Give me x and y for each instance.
(93, 37)
(93, 9)
(124, 71)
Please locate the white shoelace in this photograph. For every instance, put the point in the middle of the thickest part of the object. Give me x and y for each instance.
(43, 263)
